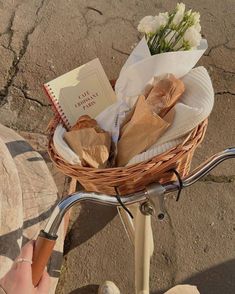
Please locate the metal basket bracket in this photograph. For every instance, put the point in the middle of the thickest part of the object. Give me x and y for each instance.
(155, 205)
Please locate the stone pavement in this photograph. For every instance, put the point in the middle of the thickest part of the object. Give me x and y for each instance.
(40, 40)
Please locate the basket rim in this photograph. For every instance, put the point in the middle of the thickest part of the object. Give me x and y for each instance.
(187, 142)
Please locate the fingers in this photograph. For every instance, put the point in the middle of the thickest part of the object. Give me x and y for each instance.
(26, 253)
(44, 284)
(27, 250)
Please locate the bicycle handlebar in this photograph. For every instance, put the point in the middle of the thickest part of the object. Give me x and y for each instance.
(47, 237)
(202, 169)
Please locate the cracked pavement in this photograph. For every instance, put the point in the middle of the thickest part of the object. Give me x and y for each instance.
(40, 40)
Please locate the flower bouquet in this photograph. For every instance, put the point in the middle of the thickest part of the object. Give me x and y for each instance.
(175, 31)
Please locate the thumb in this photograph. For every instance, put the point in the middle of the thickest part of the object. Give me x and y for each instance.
(44, 284)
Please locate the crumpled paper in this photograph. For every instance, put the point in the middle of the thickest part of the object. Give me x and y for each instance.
(89, 142)
(163, 94)
(150, 117)
(141, 131)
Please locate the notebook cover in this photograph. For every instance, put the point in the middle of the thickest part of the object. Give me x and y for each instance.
(84, 90)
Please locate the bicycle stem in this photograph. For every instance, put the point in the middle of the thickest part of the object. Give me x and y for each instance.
(47, 237)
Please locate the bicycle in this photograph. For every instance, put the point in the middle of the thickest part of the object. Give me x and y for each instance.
(148, 202)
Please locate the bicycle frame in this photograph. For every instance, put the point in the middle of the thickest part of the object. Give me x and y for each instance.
(139, 231)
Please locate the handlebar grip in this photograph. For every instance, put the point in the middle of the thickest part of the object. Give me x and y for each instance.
(42, 251)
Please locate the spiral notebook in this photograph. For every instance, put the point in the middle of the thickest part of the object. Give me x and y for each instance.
(84, 90)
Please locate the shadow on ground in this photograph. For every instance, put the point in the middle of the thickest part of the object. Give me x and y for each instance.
(217, 280)
(91, 219)
(91, 289)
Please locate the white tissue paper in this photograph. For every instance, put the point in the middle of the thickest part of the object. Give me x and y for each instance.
(141, 66)
(62, 147)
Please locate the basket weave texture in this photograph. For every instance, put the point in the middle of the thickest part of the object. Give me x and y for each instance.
(133, 178)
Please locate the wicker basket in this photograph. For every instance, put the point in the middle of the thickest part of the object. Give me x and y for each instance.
(133, 178)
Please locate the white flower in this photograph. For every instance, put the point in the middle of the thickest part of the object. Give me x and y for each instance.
(162, 19)
(188, 13)
(193, 37)
(148, 25)
(197, 27)
(196, 17)
(180, 9)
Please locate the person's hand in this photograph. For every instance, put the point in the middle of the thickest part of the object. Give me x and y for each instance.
(19, 278)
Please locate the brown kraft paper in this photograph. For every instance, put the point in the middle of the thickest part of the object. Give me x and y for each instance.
(91, 146)
(142, 131)
(164, 94)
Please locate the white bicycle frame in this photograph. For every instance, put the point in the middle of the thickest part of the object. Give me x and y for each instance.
(140, 234)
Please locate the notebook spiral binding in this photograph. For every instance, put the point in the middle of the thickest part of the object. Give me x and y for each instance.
(56, 105)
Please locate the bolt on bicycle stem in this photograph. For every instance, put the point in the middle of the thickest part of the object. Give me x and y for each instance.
(155, 203)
